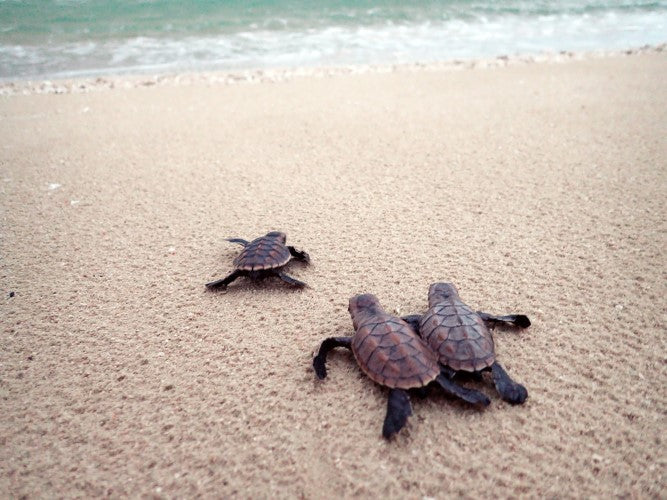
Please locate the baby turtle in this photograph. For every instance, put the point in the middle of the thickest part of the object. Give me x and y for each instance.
(391, 353)
(462, 339)
(263, 257)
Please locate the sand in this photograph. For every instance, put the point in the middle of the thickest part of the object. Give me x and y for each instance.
(536, 188)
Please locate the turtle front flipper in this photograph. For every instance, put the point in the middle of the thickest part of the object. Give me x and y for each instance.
(468, 395)
(509, 390)
(520, 320)
(398, 411)
(222, 283)
(319, 361)
(299, 254)
(292, 281)
(240, 241)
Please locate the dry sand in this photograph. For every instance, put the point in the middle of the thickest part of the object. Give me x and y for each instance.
(536, 188)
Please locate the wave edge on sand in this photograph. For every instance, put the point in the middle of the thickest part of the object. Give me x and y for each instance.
(278, 75)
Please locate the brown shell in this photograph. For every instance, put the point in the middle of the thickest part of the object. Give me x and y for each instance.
(458, 335)
(263, 253)
(392, 354)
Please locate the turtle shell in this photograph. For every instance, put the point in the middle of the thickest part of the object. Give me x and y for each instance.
(458, 335)
(392, 354)
(266, 252)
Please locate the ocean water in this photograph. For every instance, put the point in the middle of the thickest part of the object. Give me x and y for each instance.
(64, 38)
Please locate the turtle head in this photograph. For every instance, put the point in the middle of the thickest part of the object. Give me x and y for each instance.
(361, 305)
(282, 237)
(441, 292)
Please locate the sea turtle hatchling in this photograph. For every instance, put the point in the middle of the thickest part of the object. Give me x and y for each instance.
(391, 353)
(263, 257)
(462, 340)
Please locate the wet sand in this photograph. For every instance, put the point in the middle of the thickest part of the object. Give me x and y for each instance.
(536, 188)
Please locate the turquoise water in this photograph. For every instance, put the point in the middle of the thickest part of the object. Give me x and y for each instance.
(58, 38)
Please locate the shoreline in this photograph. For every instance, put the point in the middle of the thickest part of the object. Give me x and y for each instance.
(278, 75)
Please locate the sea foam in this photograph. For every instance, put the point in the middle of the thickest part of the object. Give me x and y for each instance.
(458, 30)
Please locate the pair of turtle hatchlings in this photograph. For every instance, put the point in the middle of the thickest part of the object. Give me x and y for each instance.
(400, 353)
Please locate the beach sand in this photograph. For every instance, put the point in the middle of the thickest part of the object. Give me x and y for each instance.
(535, 188)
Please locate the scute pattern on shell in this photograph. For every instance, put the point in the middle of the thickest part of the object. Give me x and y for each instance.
(262, 253)
(459, 336)
(392, 354)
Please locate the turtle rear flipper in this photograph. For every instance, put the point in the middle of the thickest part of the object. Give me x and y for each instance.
(292, 281)
(509, 390)
(447, 372)
(398, 411)
(222, 283)
(468, 395)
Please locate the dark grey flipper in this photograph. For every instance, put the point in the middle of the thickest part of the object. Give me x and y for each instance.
(222, 283)
(240, 241)
(412, 320)
(299, 254)
(319, 361)
(447, 371)
(469, 395)
(292, 281)
(398, 411)
(509, 390)
(520, 320)
(450, 374)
